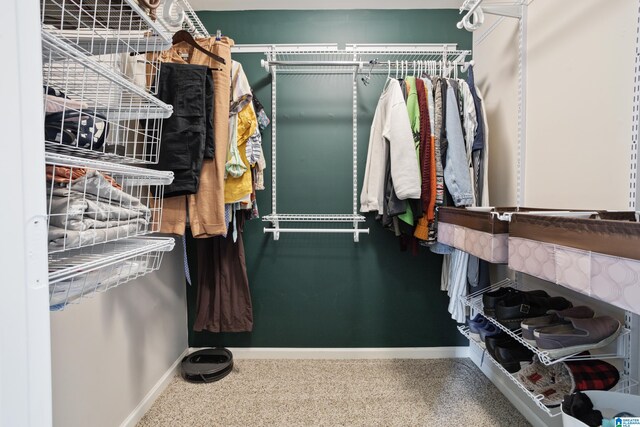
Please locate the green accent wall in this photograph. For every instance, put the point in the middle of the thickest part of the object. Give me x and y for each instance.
(324, 290)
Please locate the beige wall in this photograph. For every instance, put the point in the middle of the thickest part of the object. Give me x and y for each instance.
(496, 74)
(579, 97)
(109, 351)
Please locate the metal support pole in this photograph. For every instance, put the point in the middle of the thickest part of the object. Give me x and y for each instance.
(522, 107)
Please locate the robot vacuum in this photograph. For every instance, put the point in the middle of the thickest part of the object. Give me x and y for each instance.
(208, 365)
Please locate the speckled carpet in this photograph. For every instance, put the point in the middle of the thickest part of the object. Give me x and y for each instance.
(442, 392)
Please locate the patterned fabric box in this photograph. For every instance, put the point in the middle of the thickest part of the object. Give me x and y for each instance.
(597, 257)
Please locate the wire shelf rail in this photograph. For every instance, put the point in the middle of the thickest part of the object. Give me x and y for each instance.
(91, 112)
(92, 202)
(474, 301)
(78, 273)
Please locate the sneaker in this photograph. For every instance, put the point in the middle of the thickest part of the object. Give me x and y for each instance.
(578, 335)
(552, 319)
(475, 324)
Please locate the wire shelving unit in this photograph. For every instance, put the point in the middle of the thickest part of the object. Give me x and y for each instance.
(91, 202)
(79, 273)
(474, 301)
(355, 60)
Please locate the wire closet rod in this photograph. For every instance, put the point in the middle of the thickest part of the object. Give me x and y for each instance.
(317, 230)
(380, 64)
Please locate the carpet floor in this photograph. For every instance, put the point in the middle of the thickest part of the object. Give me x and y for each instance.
(451, 392)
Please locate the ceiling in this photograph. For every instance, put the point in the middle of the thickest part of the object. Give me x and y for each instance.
(327, 4)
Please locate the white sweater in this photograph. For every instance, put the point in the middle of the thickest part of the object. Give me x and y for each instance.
(390, 126)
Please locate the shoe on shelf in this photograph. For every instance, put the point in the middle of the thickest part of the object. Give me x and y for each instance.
(578, 335)
(552, 382)
(513, 309)
(503, 339)
(489, 330)
(510, 356)
(552, 319)
(491, 299)
(475, 324)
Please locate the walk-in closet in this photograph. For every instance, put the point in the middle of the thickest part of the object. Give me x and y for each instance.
(355, 213)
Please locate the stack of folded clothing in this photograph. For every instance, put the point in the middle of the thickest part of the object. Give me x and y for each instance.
(91, 209)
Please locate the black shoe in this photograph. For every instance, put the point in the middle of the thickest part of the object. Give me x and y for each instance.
(511, 356)
(491, 299)
(502, 339)
(513, 309)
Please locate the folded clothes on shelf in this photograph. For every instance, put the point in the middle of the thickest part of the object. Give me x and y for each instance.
(64, 292)
(90, 210)
(64, 175)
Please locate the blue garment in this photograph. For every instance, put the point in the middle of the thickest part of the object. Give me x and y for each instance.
(478, 141)
(456, 170)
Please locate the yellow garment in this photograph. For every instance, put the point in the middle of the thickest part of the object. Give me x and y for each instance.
(236, 189)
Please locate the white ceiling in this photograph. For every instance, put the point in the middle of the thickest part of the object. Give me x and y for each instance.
(327, 4)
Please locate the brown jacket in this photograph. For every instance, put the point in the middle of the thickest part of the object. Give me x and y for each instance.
(206, 208)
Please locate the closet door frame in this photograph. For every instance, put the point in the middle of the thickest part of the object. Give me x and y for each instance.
(25, 350)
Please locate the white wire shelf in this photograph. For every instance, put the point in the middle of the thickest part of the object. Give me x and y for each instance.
(122, 122)
(313, 218)
(373, 59)
(321, 220)
(474, 301)
(536, 398)
(83, 79)
(78, 273)
(92, 23)
(91, 202)
(625, 384)
(109, 30)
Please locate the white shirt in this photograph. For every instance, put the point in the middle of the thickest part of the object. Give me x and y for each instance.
(390, 126)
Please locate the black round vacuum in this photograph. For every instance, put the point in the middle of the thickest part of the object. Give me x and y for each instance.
(207, 366)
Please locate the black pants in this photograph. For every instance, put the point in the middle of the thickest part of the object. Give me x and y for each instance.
(187, 136)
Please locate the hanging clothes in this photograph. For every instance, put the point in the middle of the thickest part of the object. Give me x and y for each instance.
(238, 186)
(422, 228)
(224, 299)
(206, 207)
(390, 130)
(187, 136)
(456, 171)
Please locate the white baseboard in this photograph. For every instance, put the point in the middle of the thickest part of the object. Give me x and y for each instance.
(146, 403)
(350, 353)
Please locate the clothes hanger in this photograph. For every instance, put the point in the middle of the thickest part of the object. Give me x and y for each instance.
(184, 36)
(396, 69)
(388, 69)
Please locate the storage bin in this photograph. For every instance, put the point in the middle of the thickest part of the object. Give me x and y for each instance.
(598, 256)
(477, 230)
(605, 400)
